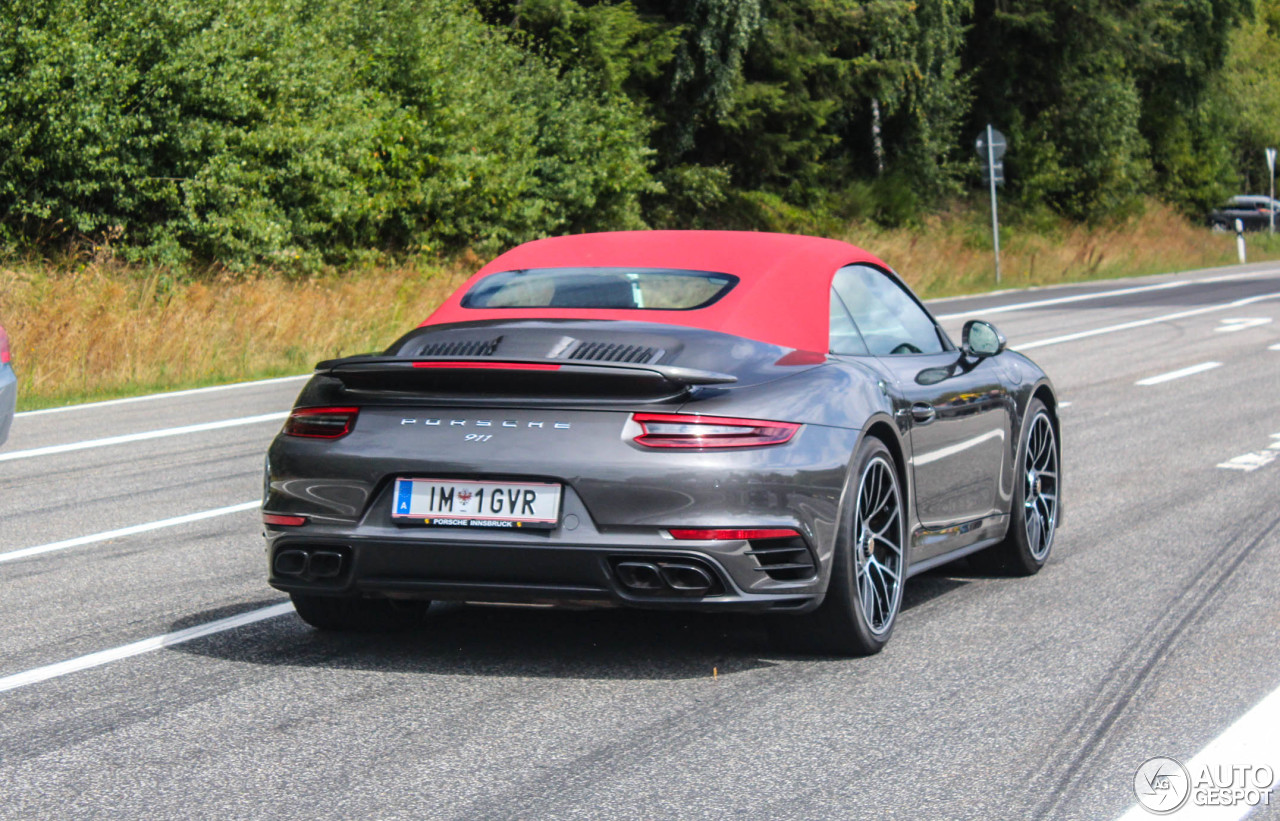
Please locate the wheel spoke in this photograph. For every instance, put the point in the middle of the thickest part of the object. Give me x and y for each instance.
(882, 598)
(1033, 533)
(893, 517)
(884, 568)
(897, 551)
(879, 507)
(1046, 514)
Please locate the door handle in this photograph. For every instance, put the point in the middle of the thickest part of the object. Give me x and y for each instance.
(922, 413)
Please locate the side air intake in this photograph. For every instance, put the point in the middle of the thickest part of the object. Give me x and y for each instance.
(783, 560)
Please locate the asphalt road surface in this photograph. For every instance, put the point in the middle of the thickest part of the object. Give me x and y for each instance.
(151, 673)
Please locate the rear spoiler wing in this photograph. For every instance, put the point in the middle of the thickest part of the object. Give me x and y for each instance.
(533, 377)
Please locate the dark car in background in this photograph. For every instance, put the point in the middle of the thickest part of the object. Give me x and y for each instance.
(1253, 211)
(8, 387)
(665, 419)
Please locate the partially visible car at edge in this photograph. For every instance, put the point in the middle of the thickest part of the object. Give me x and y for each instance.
(8, 387)
(1253, 211)
(665, 419)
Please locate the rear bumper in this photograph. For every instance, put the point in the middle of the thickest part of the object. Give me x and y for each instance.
(551, 572)
(8, 400)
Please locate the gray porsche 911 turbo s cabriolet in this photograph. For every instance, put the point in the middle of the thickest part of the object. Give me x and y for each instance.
(665, 419)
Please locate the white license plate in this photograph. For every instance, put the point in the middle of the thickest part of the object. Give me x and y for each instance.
(450, 503)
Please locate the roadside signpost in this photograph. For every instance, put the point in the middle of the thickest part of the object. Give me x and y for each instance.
(1271, 210)
(991, 146)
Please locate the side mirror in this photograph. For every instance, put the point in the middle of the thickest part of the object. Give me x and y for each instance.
(981, 339)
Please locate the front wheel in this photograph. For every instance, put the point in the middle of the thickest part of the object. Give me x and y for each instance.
(869, 567)
(348, 613)
(1033, 521)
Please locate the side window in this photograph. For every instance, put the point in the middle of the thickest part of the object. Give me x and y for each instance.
(890, 320)
(845, 338)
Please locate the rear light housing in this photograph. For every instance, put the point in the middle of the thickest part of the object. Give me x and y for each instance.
(321, 423)
(4, 348)
(678, 430)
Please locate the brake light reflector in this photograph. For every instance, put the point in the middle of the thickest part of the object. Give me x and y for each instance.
(321, 423)
(4, 347)
(490, 366)
(672, 430)
(283, 521)
(731, 534)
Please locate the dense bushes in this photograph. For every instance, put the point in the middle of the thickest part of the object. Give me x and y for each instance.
(298, 131)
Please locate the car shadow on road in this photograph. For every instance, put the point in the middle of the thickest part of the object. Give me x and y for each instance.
(499, 641)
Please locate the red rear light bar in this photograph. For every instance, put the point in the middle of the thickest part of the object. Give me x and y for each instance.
(281, 520)
(731, 534)
(4, 347)
(678, 430)
(489, 366)
(321, 423)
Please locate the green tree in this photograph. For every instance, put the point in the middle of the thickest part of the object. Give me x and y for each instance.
(298, 132)
(1247, 88)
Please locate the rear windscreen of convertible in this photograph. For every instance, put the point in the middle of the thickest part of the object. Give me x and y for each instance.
(605, 288)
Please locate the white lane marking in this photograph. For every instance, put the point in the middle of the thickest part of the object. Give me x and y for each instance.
(1064, 300)
(1172, 375)
(141, 437)
(1229, 326)
(1249, 462)
(119, 533)
(166, 395)
(958, 447)
(144, 646)
(1252, 741)
(1064, 404)
(1275, 347)
(1142, 323)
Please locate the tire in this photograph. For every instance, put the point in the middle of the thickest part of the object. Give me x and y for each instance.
(864, 592)
(351, 614)
(1033, 519)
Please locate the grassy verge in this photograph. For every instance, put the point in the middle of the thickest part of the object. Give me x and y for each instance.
(86, 331)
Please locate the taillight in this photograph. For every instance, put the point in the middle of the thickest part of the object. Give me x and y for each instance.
(731, 534)
(281, 520)
(671, 430)
(4, 347)
(321, 423)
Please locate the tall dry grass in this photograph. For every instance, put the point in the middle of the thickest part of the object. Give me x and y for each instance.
(952, 253)
(95, 329)
(102, 331)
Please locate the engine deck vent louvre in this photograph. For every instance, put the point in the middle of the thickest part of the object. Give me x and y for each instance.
(614, 352)
(461, 347)
(783, 560)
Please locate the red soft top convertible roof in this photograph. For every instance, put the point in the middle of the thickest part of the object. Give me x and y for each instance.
(782, 297)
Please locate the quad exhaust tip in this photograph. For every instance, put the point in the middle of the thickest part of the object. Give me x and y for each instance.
(309, 564)
(662, 577)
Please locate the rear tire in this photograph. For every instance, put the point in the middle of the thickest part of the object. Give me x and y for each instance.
(351, 614)
(1033, 520)
(864, 592)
